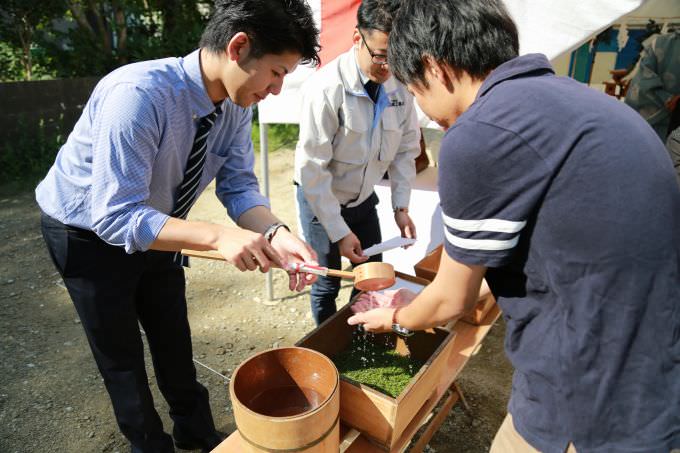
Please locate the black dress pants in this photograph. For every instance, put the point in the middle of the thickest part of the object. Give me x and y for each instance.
(113, 292)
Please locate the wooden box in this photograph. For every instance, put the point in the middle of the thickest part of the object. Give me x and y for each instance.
(385, 420)
(427, 268)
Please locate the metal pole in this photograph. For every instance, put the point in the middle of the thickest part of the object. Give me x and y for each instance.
(264, 162)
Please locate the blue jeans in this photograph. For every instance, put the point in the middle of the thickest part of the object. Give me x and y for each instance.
(363, 221)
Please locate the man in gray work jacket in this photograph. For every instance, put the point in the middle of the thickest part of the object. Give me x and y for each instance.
(357, 122)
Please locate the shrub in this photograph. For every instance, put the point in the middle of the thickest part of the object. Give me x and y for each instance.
(25, 159)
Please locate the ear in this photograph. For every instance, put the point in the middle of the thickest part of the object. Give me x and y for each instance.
(238, 46)
(356, 37)
(440, 72)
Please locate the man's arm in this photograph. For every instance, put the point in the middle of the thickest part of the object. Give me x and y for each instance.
(247, 250)
(318, 124)
(245, 247)
(452, 293)
(125, 139)
(288, 246)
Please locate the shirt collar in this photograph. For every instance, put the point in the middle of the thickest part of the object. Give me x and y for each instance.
(201, 102)
(533, 64)
(351, 74)
(353, 79)
(362, 76)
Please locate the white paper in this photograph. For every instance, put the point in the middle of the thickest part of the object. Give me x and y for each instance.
(389, 244)
(412, 286)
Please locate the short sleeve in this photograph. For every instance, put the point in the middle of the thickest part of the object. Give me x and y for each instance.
(490, 185)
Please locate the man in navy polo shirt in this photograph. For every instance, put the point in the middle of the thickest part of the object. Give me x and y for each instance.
(565, 200)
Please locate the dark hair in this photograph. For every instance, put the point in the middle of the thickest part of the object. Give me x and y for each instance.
(273, 26)
(474, 36)
(377, 14)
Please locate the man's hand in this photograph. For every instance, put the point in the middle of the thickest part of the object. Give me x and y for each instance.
(247, 250)
(377, 321)
(405, 224)
(350, 247)
(293, 250)
(390, 298)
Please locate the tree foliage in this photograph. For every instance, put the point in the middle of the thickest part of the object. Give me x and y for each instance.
(20, 24)
(70, 38)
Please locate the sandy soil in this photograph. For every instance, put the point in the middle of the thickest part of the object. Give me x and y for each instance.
(53, 399)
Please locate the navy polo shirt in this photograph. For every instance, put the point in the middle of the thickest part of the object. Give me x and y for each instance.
(569, 198)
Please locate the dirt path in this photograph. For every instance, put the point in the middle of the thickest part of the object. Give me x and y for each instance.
(53, 399)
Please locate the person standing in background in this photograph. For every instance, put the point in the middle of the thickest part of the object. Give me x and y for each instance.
(357, 122)
(655, 89)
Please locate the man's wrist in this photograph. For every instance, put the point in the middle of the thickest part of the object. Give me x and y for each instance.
(394, 315)
(400, 209)
(272, 229)
(398, 328)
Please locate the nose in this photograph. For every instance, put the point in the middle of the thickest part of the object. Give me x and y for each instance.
(275, 88)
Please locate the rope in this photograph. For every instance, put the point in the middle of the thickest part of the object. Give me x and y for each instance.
(208, 368)
(198, 362)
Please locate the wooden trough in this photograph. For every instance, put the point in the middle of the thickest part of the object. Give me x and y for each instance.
(383, 419)
(390, 413)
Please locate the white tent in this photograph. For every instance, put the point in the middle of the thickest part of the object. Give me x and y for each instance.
(551, 27)
(666, 13)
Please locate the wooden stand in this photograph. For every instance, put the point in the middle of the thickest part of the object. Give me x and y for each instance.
(467, 341)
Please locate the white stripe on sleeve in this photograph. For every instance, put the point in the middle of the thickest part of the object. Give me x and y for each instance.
(494, 225)
(480, 244)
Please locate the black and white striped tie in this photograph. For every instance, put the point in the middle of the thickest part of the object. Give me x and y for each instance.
(187, 190)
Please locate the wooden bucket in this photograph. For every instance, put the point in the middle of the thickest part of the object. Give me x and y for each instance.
(287, 400)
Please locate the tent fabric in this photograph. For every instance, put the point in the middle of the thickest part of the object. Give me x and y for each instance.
(551, 27)
(555, 27)
(338, 18)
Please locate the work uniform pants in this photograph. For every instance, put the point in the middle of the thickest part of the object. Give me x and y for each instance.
(113, 293)
(364, 223)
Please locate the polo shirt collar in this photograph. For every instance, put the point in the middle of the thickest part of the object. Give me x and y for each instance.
(531, 64)
(202, 105)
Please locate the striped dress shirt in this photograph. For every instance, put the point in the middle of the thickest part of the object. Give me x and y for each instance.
(119, 169)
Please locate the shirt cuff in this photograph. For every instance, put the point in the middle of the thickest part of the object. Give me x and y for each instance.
(148, 225)
(337, 230)
(400, 198)
(239, 204)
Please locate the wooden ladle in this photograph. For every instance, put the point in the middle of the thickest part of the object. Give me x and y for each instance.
(367, 277)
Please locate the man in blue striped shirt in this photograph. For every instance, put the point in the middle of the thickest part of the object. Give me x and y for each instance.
(114, 204)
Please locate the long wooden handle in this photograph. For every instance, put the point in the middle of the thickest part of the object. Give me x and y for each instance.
(211, 255)
(341, 274)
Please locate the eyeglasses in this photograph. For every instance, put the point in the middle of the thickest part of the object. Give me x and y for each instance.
(376, 58)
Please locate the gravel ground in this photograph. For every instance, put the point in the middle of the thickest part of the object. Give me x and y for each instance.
(53, 399)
